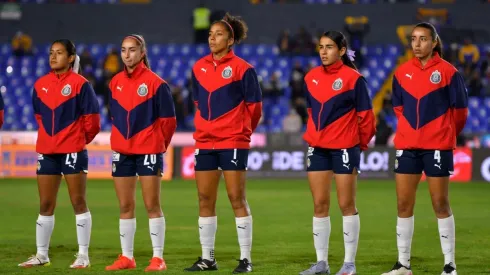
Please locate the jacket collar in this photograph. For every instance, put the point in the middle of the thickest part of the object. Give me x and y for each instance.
(62, 76)
(333, 68)
(434, 60)
(138, 70)
(224, 59)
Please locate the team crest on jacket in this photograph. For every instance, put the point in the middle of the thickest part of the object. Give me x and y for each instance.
(143, 90)
(435, 77)
(66, 91)
(337, 84)
(227, 72)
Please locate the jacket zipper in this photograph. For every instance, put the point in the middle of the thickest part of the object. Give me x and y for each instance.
(52, 124)
(319, 115)
(127, 120)
(418, 114)
(209, 102)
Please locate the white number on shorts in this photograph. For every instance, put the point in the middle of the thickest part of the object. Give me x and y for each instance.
(437, 156)
(153, 159)
(73, 156)
(345, 156)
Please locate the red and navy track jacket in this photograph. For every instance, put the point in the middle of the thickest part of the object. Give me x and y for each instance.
(67, 112)
(142, 111)
(431, 104)
(339, 108)
(1, 110)
(229, 102)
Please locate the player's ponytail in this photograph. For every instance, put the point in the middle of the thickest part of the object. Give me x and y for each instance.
(438, 47)
(142, 43)
(341, 42)
(435, 36)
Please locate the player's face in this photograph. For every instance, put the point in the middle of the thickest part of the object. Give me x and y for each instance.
(219, 38)
(58, 58)
(131, 53)
(422, 43)
(329, 52)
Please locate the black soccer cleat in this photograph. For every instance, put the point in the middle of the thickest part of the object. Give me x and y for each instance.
(449, 269)
(244, 266)
(203, 265)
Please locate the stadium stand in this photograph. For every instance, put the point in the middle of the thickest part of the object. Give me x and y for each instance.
(173, 62)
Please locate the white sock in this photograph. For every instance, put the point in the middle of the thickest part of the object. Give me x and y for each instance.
(207, 235)
(157, 235)
(84, 228)
(321, 237)
(127, 228)
(352, 225)
(244, 232)
(448, 238)
(404, 233)
(44, 229)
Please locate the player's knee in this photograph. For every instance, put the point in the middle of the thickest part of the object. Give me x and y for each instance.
(153, 209)
(206, 200)
(321, 207)
(347, 207)
(79, 205)
(46, 207)
(237, 202)
(126, 208)
(441, 208)
(405, 209)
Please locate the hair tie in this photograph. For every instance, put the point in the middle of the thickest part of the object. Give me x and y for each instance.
(138, 38)
(229, 26)
(351, 54)
(76, 64)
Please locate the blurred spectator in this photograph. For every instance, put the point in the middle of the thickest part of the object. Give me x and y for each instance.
(272, 89)
(485, 65)
(437, 17)
(102, 90)
(451, 53)
(179, 106)
(298, 101)
(21, 44)
(284, 42)
(386, 122)
(469, 54)
(112, 63)
(357, 28)
(474, 84)
(86, 62)
(292, 122)
(303, 42)
(201, 23)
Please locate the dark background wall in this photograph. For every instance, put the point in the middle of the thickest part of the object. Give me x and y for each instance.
(167, 21)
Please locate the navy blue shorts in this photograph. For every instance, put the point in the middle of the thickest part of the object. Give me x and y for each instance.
(341, 161)
(137, 165)
(435, 163)
(221, 159)
(62, 164)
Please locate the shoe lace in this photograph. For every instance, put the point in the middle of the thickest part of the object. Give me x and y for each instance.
(119, 261)
(79, 259)
(199, 259)
(155, 261)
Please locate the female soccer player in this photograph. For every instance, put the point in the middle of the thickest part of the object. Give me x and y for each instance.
(228, 99)
(67, 112)
(430, 102)
(143, 123)
(340, 125)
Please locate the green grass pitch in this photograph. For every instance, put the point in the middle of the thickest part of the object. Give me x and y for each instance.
(282, 211)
